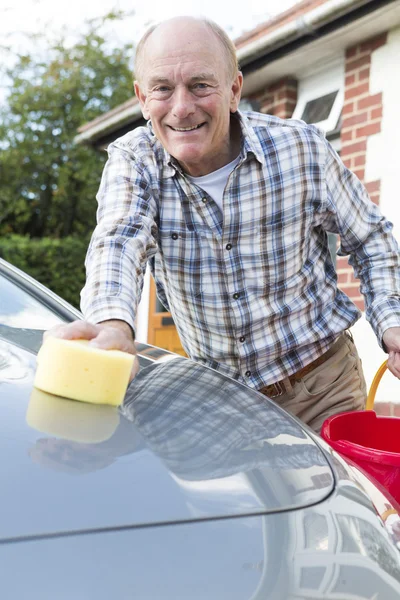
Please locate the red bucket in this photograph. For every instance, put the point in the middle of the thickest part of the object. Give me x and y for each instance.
(372, 442)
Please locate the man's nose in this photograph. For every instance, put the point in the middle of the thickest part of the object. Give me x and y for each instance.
(183, 103)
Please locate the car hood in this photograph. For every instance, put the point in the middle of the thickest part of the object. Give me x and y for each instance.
(187, 444)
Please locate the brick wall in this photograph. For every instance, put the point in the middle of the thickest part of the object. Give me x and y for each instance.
(362, 116)
(279, 99)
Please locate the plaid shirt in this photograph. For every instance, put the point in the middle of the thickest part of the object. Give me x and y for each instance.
(253, 291)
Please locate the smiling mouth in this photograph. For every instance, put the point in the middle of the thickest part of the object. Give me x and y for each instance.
(186, 129)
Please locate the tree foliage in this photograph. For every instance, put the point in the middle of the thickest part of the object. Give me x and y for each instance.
(57, 263)
(48, 183)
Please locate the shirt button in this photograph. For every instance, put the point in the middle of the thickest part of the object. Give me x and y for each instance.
(248, 373)
(236, 296)
(204, 200)
(228, 246)
(242, 338)
(174, 236)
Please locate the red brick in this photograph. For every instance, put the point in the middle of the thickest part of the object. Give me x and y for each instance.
(355, 120)
(347, 136)
(351, 52)
(352, 278)
(374, 100)
(273, 87)
(351, 291)
(350, 79)
(374, 43)
(292, 85)
(347, 162)
(358, 62)
(265, 98)
(359, 303)
(364, 74)
(354, 148)
(283, 110)
(376, 113)
(358, 90)
(370, 129)
(373, 186)
(348, 108)
(343, 278)
(286, 93)
(359, 161)
(360, 173)
(267, 106)
(342, 263)
(375, 198)
(277, 85)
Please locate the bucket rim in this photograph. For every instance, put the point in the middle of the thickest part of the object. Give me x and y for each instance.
(356, 451)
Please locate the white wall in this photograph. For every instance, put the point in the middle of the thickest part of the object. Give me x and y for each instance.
(372, 357)
(383, 149)
(383, 162)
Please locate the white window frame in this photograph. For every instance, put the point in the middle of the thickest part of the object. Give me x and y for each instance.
(329, 78)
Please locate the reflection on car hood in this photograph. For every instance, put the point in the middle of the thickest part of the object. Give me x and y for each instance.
(187, 444)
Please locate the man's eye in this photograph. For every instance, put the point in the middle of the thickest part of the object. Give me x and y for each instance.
(201, 86)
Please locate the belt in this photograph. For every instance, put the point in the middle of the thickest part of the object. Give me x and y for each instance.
(273, 390)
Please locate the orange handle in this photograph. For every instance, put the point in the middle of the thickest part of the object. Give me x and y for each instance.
(374, 386)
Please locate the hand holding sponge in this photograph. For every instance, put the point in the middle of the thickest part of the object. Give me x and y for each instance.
(75, 369)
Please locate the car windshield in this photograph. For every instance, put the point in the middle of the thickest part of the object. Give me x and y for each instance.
(20, 309)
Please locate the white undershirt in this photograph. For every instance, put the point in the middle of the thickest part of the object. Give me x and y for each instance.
(214, 183)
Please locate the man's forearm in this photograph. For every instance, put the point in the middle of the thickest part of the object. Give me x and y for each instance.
(118, 324)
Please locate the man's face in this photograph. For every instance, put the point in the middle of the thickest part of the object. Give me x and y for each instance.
(187, 93)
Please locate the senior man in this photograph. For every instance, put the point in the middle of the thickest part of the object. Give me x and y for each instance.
(231, 210)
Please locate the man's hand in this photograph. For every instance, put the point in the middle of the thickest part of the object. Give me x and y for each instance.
(391, 340)
(108, 335)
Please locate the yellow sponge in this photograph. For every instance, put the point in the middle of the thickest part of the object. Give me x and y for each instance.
(74, 369)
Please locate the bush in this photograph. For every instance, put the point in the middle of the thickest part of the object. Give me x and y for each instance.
(56, 263)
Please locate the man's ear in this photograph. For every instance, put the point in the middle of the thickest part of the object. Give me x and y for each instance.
(236, 91)
(142, 100)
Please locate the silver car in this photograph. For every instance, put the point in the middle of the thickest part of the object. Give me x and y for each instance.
(196, 488)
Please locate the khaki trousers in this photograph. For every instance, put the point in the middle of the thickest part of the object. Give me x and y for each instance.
(336, 386)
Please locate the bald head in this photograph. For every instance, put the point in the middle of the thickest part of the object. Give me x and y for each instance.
(198, 29)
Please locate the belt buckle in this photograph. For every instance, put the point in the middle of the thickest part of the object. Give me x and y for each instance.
(279, 390)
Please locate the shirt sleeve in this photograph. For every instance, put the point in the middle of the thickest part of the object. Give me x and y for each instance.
(366, 235)
(122, 242)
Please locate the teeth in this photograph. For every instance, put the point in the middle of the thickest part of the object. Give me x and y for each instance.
(185, 128)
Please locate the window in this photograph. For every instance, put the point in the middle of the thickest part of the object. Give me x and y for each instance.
(319, 109)
(320, 98)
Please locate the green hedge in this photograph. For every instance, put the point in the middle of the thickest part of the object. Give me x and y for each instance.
(56, 263)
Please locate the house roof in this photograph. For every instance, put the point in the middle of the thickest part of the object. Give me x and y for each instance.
(116, 114)
(294, 12)
(281, 46)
